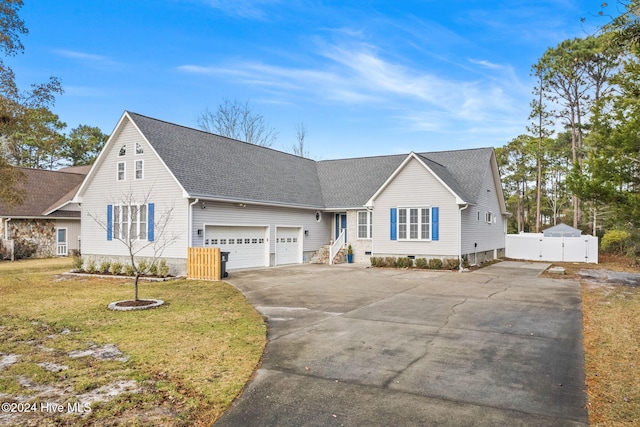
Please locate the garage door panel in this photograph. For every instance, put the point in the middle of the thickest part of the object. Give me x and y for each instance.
(247, 246)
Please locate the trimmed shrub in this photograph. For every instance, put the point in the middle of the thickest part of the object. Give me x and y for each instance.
(422, 263)
(451, 264)
(390, 262)
(435, 263)
(143, 266)
(153, 269)
(375, 261)
(105, 266)
(116, 268)
(615, 241)
(163, 268)
(77, 263)
(24, 249)
(404, 262)
(129, 270)
(91, 266)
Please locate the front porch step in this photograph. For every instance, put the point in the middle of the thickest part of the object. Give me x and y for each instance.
(322, 256)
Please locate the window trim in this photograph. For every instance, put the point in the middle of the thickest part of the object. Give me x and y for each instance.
(139, 150)
(123, 230)
(135, 172)
(122, 151)
(407, 224)
(488, 217)
(369, 225)
(124, 171)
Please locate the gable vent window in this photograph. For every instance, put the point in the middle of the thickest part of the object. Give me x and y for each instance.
(123, 151)
(139, 149)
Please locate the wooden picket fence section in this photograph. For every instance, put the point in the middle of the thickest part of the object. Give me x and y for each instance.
(203, 263)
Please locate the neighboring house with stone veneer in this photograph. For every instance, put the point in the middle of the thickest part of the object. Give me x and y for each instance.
(270, 208)
(47, 223)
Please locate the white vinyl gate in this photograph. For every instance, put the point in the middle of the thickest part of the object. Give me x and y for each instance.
(537, 247)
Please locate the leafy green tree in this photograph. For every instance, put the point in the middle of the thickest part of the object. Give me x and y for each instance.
(37, 143)
(517, 166)
(16, 105)
(82, 145)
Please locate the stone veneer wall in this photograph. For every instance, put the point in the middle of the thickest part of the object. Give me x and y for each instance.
(38, 233)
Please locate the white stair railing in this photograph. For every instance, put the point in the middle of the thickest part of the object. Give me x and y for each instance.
(337, 245)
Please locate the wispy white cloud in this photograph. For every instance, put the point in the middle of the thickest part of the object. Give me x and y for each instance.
(248, 9)
(359, 74)
(90, 59)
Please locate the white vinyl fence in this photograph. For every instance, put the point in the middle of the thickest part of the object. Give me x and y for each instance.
(536, 247)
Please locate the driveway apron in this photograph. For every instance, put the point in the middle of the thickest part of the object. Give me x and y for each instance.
(355, 346)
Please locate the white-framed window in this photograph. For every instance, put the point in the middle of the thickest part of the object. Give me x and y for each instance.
(139, 169)
(130, 222)
(488, 216)
(123, 151)
(414, 223)
(365, 224)
(121, 171)
(318, 216)
(139, 149)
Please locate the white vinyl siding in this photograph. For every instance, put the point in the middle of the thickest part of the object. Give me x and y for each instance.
(476, 228)
(365, 224)
(415, 185)
(164, 192)
(231, 214)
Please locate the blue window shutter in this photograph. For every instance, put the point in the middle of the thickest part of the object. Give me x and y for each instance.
(435, 223)
(109, 222)
(394, 224)
(150, 225)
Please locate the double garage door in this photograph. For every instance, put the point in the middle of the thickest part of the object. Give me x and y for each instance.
(248, 247)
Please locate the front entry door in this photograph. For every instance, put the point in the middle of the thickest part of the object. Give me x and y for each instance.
(61, 240)
(341, 224)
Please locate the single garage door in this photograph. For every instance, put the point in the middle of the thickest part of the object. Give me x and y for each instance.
(288, 245)
(247, 246)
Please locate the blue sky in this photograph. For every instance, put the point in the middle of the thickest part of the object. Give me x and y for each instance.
(365, 77)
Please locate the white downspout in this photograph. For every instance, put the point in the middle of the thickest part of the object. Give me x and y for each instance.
(189, 224)
(460, 267)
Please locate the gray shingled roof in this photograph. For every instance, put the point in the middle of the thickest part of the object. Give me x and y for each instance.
(45, 190)
(212, 166)
(208, 165)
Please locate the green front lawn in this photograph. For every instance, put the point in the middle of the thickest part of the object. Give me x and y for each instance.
(181, 364)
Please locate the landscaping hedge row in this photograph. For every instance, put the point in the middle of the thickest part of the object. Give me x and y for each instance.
(422, 263)
(116, 268)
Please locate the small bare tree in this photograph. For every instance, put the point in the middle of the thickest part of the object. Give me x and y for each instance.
(129, 223)
(299, 148)
(236, 120)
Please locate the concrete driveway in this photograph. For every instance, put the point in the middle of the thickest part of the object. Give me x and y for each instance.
(354, 346)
